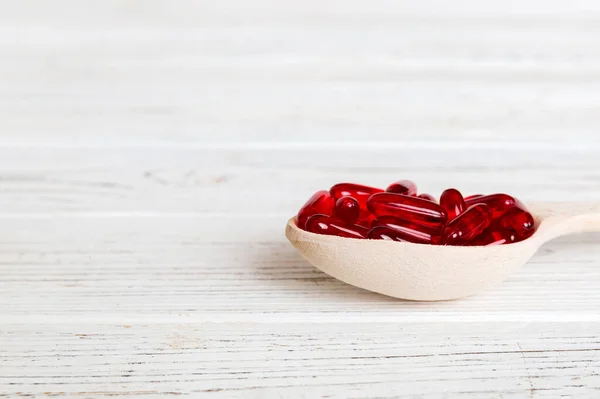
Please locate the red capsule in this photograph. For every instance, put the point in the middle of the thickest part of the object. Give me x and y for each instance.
(320, 203)
(414, 209)
(383, 233)
(407, 231)
(453, 202)
(498, 203)
(406, 187)
(365, 219)
(492, 236)
(427, 197)
(323, 224)
(470, 197)
(467, 225)
(518, 220)
(359, 192)
(347, 209)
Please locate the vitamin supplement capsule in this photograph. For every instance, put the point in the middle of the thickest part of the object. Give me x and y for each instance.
(359, 192)
(320, 203)
(347, 209)
(407, 231)
(493, 236)
(498, 203)
(365, 219)
(427, 197)
(383, 233)
(467, 225)
(323, 224)
(470, 197)
(518, 220)
(413, 209)
(406, 187)
(453, 202)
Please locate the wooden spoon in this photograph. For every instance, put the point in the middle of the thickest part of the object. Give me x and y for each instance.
(436, 272)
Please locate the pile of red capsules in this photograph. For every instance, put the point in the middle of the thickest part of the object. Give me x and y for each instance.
(401, 214)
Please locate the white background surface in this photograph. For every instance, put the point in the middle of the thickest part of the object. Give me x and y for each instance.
(151, 153)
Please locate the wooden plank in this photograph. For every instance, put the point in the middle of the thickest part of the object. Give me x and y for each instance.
(276, 181)
(203, 269)
(355, 360)
(204, 73)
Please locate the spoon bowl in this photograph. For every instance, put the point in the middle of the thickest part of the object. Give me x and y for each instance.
(423, 272)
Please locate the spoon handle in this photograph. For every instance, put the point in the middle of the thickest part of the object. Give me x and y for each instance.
(568, 217)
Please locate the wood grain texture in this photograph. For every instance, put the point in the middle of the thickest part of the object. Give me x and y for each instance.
(347, 360)
(223, 72)
(200, 269)
(152, 151)
(277, 181)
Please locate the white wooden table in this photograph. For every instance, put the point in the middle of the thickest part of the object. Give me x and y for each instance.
(152, 151)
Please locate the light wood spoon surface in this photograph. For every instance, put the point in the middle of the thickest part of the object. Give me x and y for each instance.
(436, 272)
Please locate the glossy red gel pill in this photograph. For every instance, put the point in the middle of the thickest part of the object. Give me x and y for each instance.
(518, 220)
(467, 225)
(453, 203)
(427, 197)
(365, 219)
(323, 224)
(408, 231)
(320, 203)
(383, 233)
(470, 197)
(414, 209)
(493, 236)
(406, 187)
(357, 191)
(347, 209)
(498, 203)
